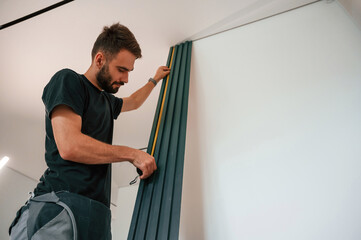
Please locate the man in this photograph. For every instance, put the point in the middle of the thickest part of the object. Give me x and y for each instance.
(72, 198)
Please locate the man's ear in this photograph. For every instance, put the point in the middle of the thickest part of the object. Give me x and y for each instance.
(99, 60)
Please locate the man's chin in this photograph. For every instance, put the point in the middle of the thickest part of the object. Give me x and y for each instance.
(112, 90)
(115, 87)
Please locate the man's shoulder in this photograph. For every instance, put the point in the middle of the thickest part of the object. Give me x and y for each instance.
(64, 79)
(66, 72)
(65, 76)
(65, 87)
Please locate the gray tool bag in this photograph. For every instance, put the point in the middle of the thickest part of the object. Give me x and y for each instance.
(61, 215)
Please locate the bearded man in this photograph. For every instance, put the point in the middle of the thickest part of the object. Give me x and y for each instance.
(72, 199)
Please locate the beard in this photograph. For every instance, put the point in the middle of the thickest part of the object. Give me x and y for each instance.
(104, 80)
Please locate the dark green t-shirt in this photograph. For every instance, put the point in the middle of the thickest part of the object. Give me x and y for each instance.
(98, 109)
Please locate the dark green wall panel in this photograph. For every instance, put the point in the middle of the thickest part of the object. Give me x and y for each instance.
(157, 209)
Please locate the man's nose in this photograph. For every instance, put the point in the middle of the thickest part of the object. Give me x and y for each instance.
(124, 77)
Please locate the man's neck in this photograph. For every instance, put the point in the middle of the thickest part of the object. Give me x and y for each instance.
(91, 76)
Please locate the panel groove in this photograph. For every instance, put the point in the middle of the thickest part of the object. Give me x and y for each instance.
(157, 208)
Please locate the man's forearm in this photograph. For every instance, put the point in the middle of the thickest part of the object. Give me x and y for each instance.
(138, 98)
(142, 94)
(87, 150)
(75, 146)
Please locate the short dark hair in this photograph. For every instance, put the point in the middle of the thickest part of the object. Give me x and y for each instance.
(115, 38)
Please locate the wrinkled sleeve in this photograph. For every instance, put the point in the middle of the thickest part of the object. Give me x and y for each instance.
(64, 88)
(117, 104)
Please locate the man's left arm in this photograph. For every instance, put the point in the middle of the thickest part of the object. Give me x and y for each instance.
(136, 100)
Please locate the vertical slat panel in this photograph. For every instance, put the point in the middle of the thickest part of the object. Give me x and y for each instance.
(163, 141)
(164, 149)
(178, 176)
(149, 183)
(167, 197)
(136, 211)
(153, 212)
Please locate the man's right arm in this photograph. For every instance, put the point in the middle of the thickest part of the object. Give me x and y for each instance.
(75, 146)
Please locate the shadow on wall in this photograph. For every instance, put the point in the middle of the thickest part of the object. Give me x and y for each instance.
(192, 212)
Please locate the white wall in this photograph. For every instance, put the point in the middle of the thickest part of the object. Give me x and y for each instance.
(124, 211)
(274, 130)
(14, 189)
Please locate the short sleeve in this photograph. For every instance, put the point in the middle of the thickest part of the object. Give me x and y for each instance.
(117, 104)
(64, 88)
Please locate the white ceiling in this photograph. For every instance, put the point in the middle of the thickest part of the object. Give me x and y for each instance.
(32, 51)
(14, 9)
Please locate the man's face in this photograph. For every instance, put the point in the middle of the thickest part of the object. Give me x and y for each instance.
(114, 74)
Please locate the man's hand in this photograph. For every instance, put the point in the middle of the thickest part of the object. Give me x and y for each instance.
(145, 163)
(136, 100)
(161, 73)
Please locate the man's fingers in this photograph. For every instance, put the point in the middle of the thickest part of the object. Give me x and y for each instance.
(164, 68)
(162, 72)
(146, 174)
(147, 167)
(154, 166)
